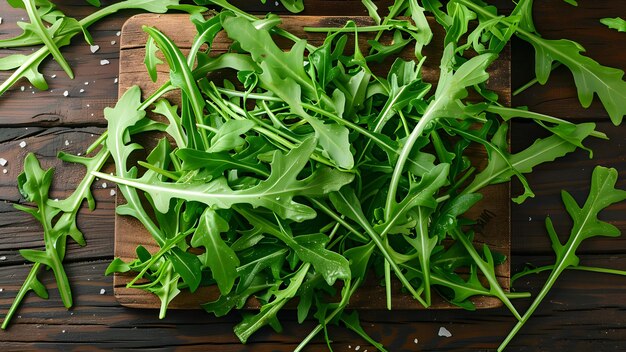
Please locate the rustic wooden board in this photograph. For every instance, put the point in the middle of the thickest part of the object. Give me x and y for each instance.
(492, 213)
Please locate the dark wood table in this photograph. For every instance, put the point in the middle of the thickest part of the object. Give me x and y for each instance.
(583, 312)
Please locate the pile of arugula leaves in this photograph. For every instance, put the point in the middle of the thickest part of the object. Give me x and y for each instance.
(307, 173)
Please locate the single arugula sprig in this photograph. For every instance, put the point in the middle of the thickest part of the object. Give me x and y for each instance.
(585, 225)
(58, 220)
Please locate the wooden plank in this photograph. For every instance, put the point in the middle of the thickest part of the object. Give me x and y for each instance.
(493, 211)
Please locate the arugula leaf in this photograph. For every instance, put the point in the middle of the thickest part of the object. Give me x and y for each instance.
(220, 258)
(275, 193)
(585, 225)
(617, 23)
(267, 314)
(502, 165)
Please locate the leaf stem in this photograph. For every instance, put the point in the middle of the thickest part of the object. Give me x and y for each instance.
(26, 286)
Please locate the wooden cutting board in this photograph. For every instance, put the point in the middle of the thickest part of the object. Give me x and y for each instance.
(492, 213)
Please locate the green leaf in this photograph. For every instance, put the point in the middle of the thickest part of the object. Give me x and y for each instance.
(585, 225)
(182, 77)
(330, 265)
(275, 193)
(220, 258)
(117, 266)
(294, 6)
(502, 165)
(225, 303)
(228, 136)
(186, 265)
(267, 314)
(151, 60)
(121, 118)
(372, 10)
(617, 23)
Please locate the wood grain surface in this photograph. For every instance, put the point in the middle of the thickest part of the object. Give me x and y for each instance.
(583, 312)
(129, 233)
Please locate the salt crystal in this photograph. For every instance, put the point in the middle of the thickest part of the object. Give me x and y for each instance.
(67, 142)
(102, 291)
(357, 348)
(94, 48)
(415, 341)
(444, 332)
(86, 83)
(88, 105)
(104, 62)
(1, 289)
(118, 33)
(112, 192)
(3, 161)
(4, 171)
(530, 219)
(82, 91)
(66, 93)
(4, 257)
(56, 199)
(63, 331)
(104, 185)
(53, 76)
(113, 42)
(22, 88)
(115, 80)
(0, 20)
(22, 144)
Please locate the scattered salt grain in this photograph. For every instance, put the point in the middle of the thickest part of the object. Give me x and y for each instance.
(115, 80)
(22, 88)
(104, 62)
(104, 185)
(357, 348)
(0, 20)
(22, 144)
(82, 91)
(112, 192)
(56, 199)
(102, 291)
(118, 33)
(530, 219)
(1, 289)
(94, 48)
(88, 105)
(113, 42)
(86, 83)
(415, 341)
(3, 161)
(53, 76)
(4, 171)
(66, 93)
(4, 257)
(276, 3)
(67, 142)
(444, 332)
(63, 331)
